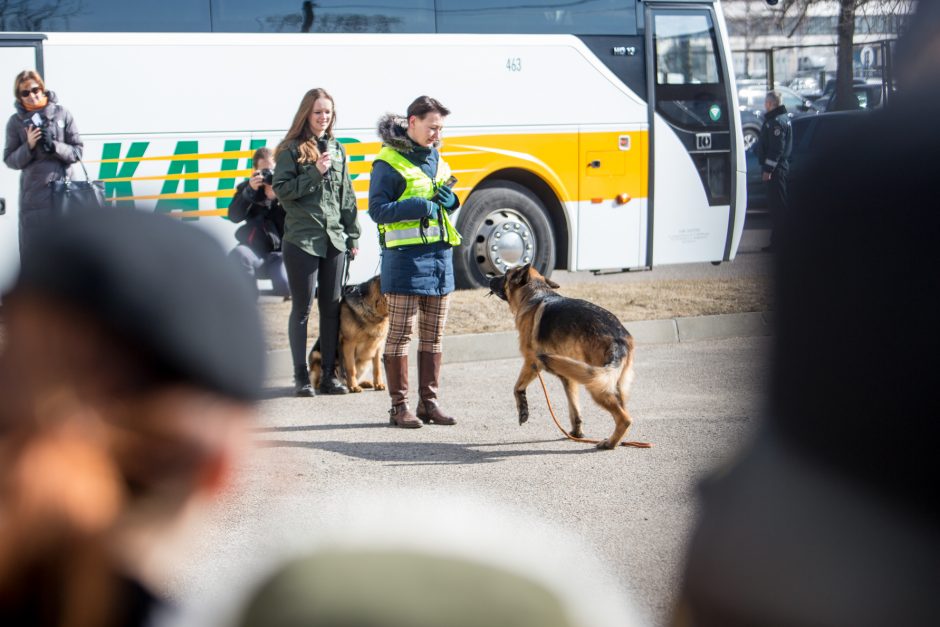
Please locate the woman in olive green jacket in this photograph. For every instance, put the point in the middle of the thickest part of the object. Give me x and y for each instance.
(311, 180)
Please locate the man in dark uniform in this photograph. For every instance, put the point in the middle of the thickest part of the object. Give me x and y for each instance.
(773, 154)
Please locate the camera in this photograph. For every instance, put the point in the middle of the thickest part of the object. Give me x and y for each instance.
(267, 176)
(47, 137)
(322, 145)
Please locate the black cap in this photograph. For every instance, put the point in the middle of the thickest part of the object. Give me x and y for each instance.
(164, 286)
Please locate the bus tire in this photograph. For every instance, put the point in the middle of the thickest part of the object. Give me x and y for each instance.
(503, 225)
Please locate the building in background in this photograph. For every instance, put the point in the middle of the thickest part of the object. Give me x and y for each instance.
(803, 50)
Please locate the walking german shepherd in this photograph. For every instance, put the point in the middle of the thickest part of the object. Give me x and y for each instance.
(575, 340)
(363, 326)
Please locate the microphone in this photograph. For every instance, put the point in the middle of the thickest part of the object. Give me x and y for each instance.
(322, 146)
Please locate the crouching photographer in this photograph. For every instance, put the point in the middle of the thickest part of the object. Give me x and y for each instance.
(259, 239)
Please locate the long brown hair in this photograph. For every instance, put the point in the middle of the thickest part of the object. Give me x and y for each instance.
(300, 131)
(22, 77)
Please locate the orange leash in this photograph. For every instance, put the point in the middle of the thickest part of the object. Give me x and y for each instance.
(571, 437)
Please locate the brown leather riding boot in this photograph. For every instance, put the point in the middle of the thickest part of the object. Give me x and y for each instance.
(396, 374)
(429, 376)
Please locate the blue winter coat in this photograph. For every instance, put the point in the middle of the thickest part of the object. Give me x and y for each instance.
(424, 269)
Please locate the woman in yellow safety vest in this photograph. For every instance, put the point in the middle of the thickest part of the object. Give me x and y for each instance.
(411, 203)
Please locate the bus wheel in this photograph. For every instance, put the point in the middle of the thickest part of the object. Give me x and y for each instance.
(503, 226)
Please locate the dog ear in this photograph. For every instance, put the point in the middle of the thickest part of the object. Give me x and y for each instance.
(552, 284)
(520, 274)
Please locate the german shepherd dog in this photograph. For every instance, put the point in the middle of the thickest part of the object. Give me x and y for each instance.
(363, 326)
(575, 340)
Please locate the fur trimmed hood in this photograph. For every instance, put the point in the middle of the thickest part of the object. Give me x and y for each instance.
(393, 131)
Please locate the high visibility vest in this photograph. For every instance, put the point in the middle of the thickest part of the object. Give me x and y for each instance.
(417, 185)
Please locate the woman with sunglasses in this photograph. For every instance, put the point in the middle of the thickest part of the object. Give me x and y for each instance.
(43, 142)
(311, 179)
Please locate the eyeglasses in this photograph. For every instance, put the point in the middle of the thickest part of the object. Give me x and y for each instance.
(24, 93)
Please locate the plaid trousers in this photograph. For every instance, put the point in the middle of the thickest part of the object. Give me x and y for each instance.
(402, 309)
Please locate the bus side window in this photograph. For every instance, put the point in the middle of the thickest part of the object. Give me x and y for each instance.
(291, 16)
(111, 17)
(600, 17)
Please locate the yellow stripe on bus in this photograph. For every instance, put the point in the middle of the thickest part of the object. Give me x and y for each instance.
(199, 213)
(231, 154)
(224, 174)
(221, 193)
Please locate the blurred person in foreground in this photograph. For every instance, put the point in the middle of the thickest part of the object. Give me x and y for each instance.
(473, 571)
(127, 396)
(830, 516)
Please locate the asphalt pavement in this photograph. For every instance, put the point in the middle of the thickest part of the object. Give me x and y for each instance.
(632, 508)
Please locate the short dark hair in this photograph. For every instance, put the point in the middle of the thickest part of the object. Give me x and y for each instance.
(424, 105)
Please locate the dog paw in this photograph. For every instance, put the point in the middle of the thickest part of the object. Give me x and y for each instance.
(577, 433)
(366, 384)
(605, 445)
(355, 389)
(523, 415)
(379, 386)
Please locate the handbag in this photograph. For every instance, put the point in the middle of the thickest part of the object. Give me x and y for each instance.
(68, 194)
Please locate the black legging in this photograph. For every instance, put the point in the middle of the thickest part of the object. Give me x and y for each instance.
(302, 271)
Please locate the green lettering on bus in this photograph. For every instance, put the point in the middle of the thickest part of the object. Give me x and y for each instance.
(171, 186)
(228, 164)
(109, 170)
(352, 140)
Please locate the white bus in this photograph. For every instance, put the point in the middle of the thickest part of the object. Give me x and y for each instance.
(585, 134)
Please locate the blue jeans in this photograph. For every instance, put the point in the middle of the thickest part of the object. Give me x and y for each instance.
(270, 267)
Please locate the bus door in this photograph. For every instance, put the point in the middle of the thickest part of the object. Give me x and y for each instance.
(613, 185)
(692, 158)
(17, 53)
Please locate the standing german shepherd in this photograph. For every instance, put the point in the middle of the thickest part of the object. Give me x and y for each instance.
(363, 326)
(573, 339)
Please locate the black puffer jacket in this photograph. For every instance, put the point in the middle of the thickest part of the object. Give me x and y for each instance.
(40, 167)
(264, 219)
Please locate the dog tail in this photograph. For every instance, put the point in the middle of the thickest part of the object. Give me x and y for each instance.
(578, 370)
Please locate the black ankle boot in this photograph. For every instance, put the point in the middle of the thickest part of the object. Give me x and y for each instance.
(330, 383)
(302, 385)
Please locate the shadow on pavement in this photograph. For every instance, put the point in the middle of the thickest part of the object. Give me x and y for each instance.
(423, 453)
(326, 427)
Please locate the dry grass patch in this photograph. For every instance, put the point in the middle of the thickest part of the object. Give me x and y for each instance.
(472, 311)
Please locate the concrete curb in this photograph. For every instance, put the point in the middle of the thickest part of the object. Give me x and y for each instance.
(505, 345)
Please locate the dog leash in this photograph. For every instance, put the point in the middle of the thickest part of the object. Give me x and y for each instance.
(346, 263)
(571, 437)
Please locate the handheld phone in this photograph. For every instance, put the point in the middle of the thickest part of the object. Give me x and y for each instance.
(450, 182)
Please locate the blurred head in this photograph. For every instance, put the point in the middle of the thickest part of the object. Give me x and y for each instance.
(470, 572)
(917, 61)
(128, 349)
(29, 88)
(426, 121)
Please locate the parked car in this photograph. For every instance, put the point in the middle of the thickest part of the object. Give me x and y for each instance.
(751, 107)
(806, 86)
(809, 133)
(868, 95)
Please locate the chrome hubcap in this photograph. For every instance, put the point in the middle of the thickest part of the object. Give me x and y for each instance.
(503, 241)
